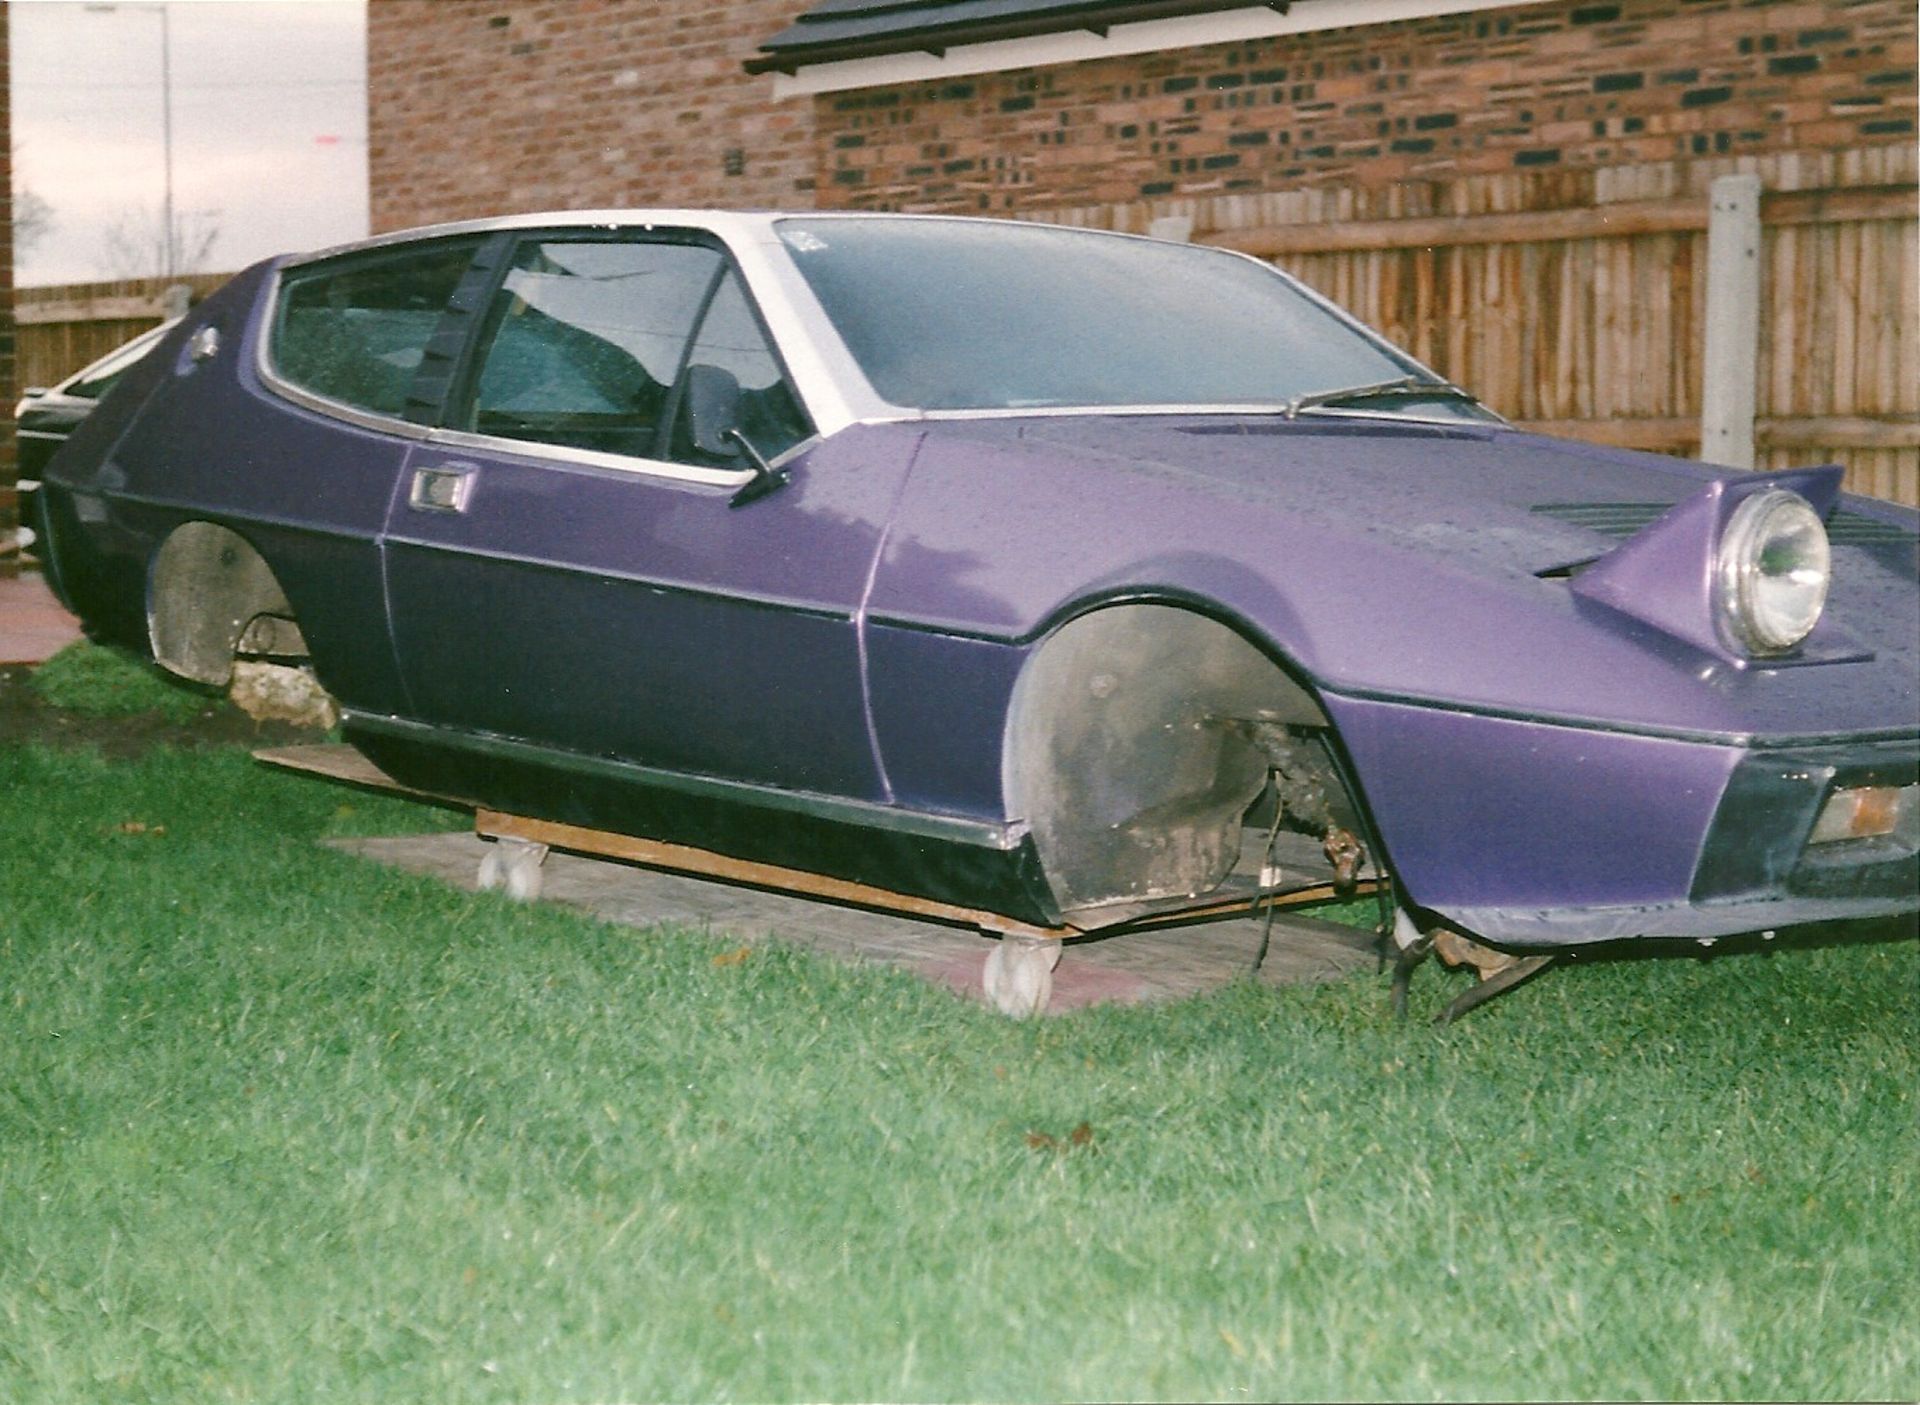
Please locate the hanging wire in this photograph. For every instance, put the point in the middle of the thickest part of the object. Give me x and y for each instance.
(1266, 864)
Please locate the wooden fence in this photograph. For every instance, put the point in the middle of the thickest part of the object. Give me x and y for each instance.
(1574, 302)
(59, 330)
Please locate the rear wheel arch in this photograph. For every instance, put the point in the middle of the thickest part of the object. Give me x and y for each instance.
(211, 597)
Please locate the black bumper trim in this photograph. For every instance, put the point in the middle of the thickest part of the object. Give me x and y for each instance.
(1757, 844)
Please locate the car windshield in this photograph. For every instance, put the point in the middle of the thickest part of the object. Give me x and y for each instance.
(977, 315)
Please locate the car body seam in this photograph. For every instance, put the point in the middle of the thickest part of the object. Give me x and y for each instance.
(860, 619)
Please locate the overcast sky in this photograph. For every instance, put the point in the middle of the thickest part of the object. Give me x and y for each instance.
(269, 126)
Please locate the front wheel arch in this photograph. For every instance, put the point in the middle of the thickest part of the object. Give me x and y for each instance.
(1130, 750)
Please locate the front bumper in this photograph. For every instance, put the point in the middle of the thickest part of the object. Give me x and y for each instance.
(1760, 868)
(1534, 834)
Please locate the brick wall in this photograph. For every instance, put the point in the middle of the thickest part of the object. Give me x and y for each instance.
(1577, 84)
(484, 107)
(9, 517)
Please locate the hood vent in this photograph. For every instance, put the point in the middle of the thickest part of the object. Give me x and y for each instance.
(1857, 529)
(1625, 519)
(1609, 519)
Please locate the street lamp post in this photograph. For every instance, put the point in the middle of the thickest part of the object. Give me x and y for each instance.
(169, 254)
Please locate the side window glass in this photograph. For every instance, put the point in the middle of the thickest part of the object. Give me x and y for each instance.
(355, 332)
(731, 339)
(586, 342)
(96, 380)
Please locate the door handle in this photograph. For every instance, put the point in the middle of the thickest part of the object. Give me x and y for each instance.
(442, 488)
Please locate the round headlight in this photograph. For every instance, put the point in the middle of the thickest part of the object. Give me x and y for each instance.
(1773, 569)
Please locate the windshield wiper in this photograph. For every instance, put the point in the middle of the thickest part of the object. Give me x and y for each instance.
(1399, 385)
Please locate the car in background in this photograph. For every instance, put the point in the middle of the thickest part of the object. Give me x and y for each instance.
(44, 417)
(1054, 574)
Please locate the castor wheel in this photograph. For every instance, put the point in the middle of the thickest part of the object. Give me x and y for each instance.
(1018, 975)
(514, 866)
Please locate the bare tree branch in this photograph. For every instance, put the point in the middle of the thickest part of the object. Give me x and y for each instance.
(32, 221)
(135, 245)
(32, 215)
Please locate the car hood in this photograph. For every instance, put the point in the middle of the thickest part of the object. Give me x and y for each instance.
(1510, 501)
(1393, 559)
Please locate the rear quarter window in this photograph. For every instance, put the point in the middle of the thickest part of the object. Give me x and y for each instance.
(355, 330)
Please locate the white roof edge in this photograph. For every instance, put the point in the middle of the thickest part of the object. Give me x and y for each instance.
(733, 226)
(722, 222)
(1145, 36)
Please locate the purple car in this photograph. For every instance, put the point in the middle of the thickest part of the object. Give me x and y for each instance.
(1068, 576)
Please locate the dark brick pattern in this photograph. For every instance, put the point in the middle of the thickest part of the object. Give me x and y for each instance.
(1568, 85)
(486, 107)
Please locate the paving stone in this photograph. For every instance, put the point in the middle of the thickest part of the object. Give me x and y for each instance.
(33, 627)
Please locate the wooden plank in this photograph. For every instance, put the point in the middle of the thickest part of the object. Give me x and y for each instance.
(1898, 333)
(1841, 205)
(1875, 432)
(1663, 434)
(348, 766)
(1433, 231)
(1827, 432)
(1905, 251)
(1453, 364)
(1650, 323)
(683, 858)
(339, 762)
(1624, 219)
(1844, 395)
(1525, 276)
(1785, 319)
(1686, 264)
(1609, 295)
(111, 309)
(1814, 273)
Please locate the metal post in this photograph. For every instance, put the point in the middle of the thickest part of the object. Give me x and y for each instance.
(166, 133)
(168, 251)
(1730, 374)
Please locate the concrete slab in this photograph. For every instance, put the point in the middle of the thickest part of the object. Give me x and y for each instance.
(33, 627)
(1167, 963)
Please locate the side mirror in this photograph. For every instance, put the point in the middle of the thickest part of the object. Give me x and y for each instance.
(713, 410)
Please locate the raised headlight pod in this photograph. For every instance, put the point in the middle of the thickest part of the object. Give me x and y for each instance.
(1772, 571)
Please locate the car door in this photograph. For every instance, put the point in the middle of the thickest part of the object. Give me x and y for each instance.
(303, 462)
(565, 567)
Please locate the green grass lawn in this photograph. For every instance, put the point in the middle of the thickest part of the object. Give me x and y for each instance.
(277, 1124)
(100, 682)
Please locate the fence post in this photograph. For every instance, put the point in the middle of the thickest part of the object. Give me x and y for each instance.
(1730, 374)
(175, 301)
